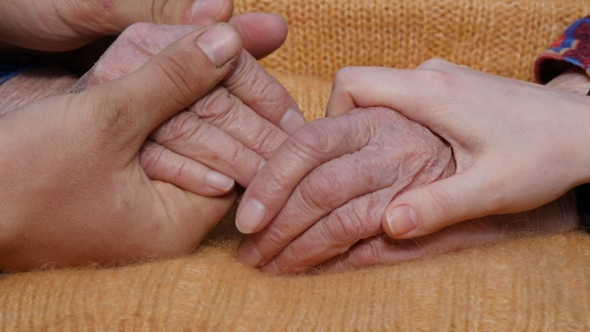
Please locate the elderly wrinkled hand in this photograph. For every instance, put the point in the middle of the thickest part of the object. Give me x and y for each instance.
(226, 135)
(327, 186)
(321, 198)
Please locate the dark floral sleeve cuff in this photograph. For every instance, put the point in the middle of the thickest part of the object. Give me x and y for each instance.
(12, 65)
(572, 48)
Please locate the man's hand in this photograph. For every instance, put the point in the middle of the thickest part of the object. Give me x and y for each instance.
(73, 190)
(229, 132)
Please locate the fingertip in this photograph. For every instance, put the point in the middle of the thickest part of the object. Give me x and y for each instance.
(251, 216)
(262, 33)
(220, 43)
(219, 10)
(400, 220)
(219, 181)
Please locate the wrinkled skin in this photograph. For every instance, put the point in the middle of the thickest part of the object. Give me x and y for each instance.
(73, 190)
(192, 216)
(326, 192)
(232, 130)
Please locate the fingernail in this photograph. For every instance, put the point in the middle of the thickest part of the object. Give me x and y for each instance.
(248, 254)
(402, 219)
(262, 163)
(271, 268)
(250, 216)
(203, 8)
(220, 43)
(291, 121)
(219, 181)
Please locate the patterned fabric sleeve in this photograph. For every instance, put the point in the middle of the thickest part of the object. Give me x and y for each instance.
(572, 48)
(12, 65)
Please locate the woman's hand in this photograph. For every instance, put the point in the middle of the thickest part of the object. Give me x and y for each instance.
(73, 190)
(517, 145)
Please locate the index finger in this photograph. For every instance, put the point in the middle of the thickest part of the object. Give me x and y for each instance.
(403, 90)
(264, 94)
(314, 144)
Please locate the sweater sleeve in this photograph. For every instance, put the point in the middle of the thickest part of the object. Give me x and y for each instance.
(12, 65)
(572, 48)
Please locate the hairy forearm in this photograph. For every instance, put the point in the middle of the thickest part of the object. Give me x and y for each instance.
(34, 85)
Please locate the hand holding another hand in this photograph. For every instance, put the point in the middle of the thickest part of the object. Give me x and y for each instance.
(63, 205)
(319, 198)
(228, 134)
(517, 145)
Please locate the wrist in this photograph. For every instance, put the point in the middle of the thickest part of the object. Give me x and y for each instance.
(33, 85)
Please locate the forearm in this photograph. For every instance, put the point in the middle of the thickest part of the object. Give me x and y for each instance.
(34, 85)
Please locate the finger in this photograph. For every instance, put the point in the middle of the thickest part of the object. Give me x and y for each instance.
(188, 135)
(80, 22)
(194, 215)
(228, 113)
(555, 217)
(134, 105)
(378, 250)
(262, 33)
(311, 146)
(406, 91)
(162, 164)
(334, 234)
(426, 209)
(264, 94)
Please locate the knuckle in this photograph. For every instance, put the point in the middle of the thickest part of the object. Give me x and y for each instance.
(342, 229)
(245, 72)
(312, 140)
(366, 255)
(216, 105)
(324, 189)
(164, 11)
(149, 157)
(181, 127)
(275, 237)
(267, 141)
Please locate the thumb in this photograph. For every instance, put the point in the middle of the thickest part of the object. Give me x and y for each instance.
(424, 210)
(134, 105)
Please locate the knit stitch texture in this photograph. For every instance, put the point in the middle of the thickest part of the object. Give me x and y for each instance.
(540, 283)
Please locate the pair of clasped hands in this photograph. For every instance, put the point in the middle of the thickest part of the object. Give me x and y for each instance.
(139, 158)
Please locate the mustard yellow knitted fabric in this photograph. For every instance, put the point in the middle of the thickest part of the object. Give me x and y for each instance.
(531, 284)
